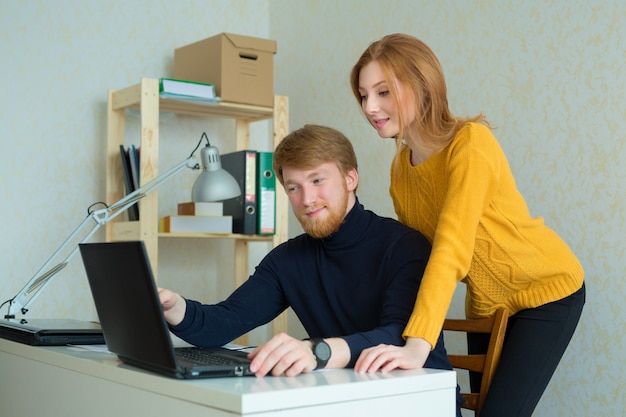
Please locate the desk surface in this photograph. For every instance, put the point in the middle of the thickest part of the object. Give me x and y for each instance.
(238, 395)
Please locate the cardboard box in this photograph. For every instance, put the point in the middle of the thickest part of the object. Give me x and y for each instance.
(240, 67)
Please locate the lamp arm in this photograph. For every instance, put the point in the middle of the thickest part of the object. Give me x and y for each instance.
(44, 275)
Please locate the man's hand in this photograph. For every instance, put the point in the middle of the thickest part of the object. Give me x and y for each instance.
(174, 306)
(283, 355)
(386, 358)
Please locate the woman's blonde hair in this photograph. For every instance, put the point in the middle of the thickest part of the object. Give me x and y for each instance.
(414, 65)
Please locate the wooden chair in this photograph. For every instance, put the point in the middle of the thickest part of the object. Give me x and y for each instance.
(485, 364)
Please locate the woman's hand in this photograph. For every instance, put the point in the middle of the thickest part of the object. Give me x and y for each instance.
(386, 358)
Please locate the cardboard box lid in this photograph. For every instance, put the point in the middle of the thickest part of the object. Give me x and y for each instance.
(248, 42)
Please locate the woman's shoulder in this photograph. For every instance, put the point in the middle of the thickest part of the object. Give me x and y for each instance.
(475, 135)
(474, 130)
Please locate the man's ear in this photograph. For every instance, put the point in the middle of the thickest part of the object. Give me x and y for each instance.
(352, 179)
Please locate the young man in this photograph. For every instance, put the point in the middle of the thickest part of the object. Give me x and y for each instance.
(351, 278)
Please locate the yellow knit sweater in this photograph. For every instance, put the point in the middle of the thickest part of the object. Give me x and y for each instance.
(465, 201)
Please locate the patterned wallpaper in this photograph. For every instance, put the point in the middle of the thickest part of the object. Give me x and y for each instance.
(549, 75)
(59, 61)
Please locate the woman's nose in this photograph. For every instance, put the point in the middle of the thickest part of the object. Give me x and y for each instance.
(370, 105)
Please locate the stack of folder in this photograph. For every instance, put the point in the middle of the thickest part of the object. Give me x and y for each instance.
(254, 211)
(189, 91)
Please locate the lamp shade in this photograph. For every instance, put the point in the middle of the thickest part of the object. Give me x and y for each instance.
(214, 183)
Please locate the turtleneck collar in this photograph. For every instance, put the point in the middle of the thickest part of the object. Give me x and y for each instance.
(351, 230)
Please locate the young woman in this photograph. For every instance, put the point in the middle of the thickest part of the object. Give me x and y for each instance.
(451, 181)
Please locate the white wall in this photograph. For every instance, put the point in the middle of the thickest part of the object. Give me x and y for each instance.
(550, 77)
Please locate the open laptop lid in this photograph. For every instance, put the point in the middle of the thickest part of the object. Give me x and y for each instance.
(51, 332)
(127, 303)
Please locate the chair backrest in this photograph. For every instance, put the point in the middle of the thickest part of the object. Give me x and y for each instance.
(485, 364)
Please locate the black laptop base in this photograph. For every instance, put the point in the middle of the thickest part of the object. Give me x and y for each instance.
(191, 370)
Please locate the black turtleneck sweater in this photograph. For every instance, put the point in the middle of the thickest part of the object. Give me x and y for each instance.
(359, 284)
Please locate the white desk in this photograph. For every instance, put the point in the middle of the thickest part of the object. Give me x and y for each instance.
(70, 381)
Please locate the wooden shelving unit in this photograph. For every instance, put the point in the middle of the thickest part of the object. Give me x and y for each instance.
(145, 97)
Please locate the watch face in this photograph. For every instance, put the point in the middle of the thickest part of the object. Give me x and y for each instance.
(322, 351)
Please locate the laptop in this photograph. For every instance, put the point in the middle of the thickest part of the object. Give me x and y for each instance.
(131, 316)
(51, 332)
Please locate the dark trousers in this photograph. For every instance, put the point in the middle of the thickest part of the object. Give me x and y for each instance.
(535, 341)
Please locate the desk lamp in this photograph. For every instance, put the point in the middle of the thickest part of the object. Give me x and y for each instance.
(213, 184)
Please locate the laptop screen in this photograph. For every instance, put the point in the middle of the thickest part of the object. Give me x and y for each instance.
(127, 303)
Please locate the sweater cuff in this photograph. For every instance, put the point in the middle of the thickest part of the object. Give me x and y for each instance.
(187, 321)
(424, 328)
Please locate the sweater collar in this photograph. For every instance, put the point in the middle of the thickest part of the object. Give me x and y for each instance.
(351, 230)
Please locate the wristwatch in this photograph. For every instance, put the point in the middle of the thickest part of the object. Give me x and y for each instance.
(321, 350)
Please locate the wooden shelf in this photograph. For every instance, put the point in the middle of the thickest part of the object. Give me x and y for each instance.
(144, 96)
(186, 235)
(129, 230)
(131, 97)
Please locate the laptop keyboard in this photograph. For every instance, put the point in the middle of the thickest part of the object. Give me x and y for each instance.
(204, 357)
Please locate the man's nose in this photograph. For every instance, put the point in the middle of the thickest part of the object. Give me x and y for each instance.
(309, 196)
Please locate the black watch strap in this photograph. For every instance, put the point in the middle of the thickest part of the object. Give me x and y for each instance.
(321, 350)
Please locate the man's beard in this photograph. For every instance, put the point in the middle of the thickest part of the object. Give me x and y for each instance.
(320, 228)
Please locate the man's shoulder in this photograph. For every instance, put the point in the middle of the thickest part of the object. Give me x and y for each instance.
(394, 228)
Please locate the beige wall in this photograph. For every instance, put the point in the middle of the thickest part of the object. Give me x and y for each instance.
(550, 77)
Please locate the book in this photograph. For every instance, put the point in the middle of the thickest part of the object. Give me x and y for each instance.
(172, 88)
(266, 194)
(242, 166)
(133, 157)
(196, 224)
(133, 211)
(195, 208)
